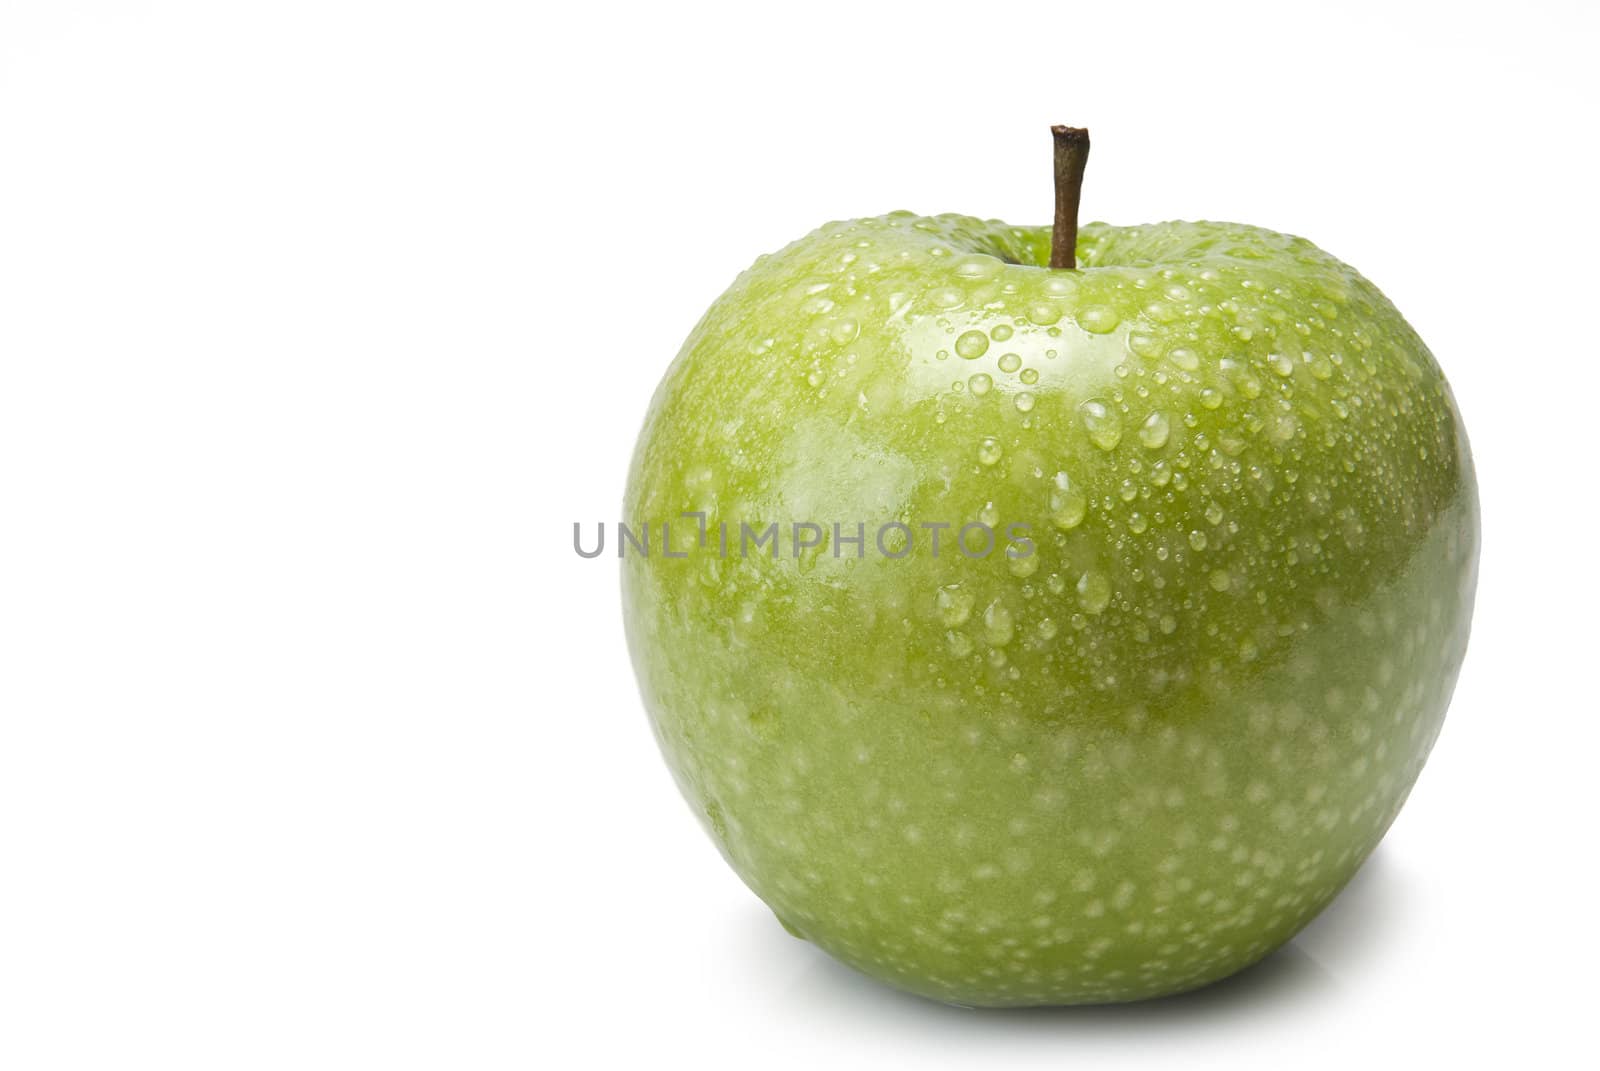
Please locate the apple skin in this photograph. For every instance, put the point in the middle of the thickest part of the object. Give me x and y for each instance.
(1145, 755)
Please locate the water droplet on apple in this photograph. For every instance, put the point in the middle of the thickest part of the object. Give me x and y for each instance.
(980, 384)
(998, 626)
(1024, 402)
(953, 605)
(1155, 430)
(1000, 332)
(1281, 363)
(972, 345)
(1197, 539)
(1099, 319)
(989, 450)
(1067, 504)
(1144, 345)
(1220, 580)
(1030, 376)
(1010, 362)
(977, 267)
(1102, 422)
(1184, 358)
(1094, 592)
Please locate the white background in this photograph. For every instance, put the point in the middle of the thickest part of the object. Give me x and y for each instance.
(320, 323)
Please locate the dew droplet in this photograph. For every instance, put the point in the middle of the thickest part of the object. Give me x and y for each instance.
(1094, 592)
(1185, 358)
(1001, 332)
(1213, 513)
(1030, 376)
(1210, 397)
(972, 345)
(947, 297)
(1220, 580)
(1137, 523)
(1144, 345)
(1169, 624)
(978, 267)
(1067, 503)
(1197, 539)
(1024, 402)
(953, 605)
(1281, 363)
(1099, 319)
(1024, 566)
(1102, 422)
(1010, 362)
(1155, 430)
(989, 450)
(989, 514)
(1043, 313)
(980, 384)
(998, 627)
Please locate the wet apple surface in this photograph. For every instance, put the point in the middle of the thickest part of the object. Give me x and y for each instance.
(1150, 733)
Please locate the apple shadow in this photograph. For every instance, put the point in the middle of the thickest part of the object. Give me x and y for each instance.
(1348, 931)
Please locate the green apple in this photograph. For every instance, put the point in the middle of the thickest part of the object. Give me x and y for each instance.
(1151, 730)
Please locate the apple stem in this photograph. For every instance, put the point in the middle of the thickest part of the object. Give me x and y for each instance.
(1072, 152)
